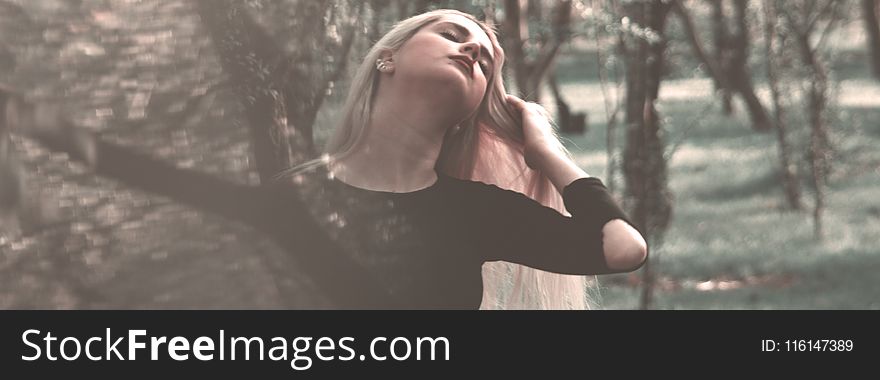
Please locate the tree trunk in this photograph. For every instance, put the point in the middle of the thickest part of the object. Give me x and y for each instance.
(788, 171)
(803, 21)
(721, 38)
(729, 68)
(816, 109)
(870, 10)
(644, 164)
(236, 36)
(740, 76)
(528, 74)
(259, 69)
(283, 92)
(278, 89)
(570, 123)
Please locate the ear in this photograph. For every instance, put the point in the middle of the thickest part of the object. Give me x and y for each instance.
(386, 55)
(385, 62)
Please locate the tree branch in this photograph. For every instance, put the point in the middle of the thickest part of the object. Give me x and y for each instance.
(691, 33)
(561, 31)
(815, 17)
(43, 123)
(823, 35)
(275, 210)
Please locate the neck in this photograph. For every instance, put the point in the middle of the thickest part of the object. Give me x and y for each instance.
(399, 148)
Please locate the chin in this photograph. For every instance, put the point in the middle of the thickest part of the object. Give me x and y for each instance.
(448, 89)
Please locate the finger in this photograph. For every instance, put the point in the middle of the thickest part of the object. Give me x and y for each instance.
(541, 110)
(516, 102)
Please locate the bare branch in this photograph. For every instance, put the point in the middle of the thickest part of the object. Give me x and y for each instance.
(815, 17)
(691, 33)
(274, 209)
(834, 17)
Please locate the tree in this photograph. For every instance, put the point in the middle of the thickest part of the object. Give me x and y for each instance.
(529, 70)
(280, 91)
(569, 122)
(810, 25)
(721, 39)
(740, 75)
(787, 169)
(644, 164)
(729, 68)
(870, 12)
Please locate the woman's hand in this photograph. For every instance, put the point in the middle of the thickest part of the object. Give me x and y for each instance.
(542, 150)
(537, 130)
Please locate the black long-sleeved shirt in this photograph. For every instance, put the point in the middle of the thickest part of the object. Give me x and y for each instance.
(426, 248)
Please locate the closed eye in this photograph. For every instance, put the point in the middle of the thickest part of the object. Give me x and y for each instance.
(450, 35)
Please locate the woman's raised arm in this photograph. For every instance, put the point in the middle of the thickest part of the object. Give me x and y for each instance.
(624, 247)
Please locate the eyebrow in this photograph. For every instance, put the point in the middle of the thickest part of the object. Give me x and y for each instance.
(483, 50)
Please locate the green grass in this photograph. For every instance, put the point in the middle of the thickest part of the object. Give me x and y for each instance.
(732, 245)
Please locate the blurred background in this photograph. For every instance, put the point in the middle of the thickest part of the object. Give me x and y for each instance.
(740, 135)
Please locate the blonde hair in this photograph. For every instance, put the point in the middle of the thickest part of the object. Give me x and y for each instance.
(488, 147)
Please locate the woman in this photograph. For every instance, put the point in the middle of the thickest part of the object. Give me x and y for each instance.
(444, 172)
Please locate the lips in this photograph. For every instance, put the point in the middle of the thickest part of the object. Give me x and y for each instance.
(465, 64)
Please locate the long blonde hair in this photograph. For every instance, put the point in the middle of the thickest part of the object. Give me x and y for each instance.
(488, 147)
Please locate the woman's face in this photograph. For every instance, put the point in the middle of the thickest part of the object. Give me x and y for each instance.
(452, 57)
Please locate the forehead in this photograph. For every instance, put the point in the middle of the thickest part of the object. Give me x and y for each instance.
(475, 31)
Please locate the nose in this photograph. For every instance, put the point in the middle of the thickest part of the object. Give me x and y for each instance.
(472, 49)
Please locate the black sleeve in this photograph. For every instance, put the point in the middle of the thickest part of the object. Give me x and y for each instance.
(516, 228)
